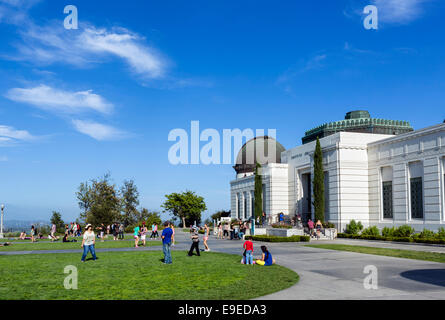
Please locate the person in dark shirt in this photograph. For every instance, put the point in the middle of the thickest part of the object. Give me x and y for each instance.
(195, 243)
(166, 236)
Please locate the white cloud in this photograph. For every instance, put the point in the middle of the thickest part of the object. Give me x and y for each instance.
(88, 46)
(98, 131)
(9, 135)
(51, 99)
(399, 11)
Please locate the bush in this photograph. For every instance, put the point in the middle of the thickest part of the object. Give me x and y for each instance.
(328, 225)
(388, 232)
(403, 231)
(441, 233)
(279, 239)
(354, 227)
(371, 231)
(426, 234)
(283, 226)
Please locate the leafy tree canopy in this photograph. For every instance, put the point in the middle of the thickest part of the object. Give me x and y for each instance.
(186, 206)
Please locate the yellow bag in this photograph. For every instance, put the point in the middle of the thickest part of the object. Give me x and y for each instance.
(260, 262)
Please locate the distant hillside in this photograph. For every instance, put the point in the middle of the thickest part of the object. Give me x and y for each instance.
(19, 225)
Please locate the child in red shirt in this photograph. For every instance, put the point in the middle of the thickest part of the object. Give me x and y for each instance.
(248, 246)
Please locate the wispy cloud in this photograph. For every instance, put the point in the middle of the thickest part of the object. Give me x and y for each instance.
(313, 63)
(10, 135)
(399, 11)
(51, 99)
(98, 131)
(390, 11)
(52, 44)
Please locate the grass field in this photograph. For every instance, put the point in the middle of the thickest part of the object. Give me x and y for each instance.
(140, 276)
(45, 245)
(398, 253)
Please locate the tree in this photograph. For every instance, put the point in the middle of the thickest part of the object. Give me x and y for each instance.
(56, 219)
(219, 214)
(130, 200)
(149, 217)
(186, 206)
(103, 204)
(84, 200)
(318, 183)
(258, 193)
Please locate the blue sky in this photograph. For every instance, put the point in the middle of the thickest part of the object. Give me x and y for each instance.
(75, 104)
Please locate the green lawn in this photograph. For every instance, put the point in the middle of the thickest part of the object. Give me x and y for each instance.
(398, 253)
(140, 276)
(45, 245)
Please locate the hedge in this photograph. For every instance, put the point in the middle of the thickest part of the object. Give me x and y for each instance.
(279, 239)
(398, 239)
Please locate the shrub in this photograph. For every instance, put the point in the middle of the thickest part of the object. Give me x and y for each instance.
(426, 234)
(441, 233)
(403, 231)
(283, 226)
(388, 232)
(371, 231)
(328, 225)
(354, 227)
(279, 239)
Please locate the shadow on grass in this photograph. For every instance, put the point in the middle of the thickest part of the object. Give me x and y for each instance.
(430, 276)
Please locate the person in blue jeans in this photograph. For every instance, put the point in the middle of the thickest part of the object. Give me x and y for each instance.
(166, 236)
(248, 247)
(88, 242)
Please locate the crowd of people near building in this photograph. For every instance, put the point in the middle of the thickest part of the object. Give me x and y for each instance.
(233, 230)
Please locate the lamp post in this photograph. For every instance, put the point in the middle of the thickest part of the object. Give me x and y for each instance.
(1, 227)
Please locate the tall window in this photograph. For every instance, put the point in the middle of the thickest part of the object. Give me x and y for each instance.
(416, 198)
(326, 195)
(416, 189)
(238, 205)
(387, 200)
(252, 203)
(245, 206)
(387, 194)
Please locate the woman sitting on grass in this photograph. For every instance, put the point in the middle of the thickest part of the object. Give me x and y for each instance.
(266, 259)
(22, 235)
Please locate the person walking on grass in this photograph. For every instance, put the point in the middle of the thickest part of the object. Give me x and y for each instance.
(144, 231)
(33, 233)
(248, 247)
(88, 242)
(121, 231)
(206, 237)
(136, 236)
(195, 242)
(53, 232)
(173, 235)
(166, 237)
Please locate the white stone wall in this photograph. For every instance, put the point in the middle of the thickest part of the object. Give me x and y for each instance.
(275, 181)
(354, 162)
(428, 147)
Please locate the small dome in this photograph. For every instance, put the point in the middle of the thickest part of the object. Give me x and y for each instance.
(257, 150)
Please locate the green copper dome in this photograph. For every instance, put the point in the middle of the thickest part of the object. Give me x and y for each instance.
(358, 121)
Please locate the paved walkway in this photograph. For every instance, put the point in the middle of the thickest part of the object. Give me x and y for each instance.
(329, 274)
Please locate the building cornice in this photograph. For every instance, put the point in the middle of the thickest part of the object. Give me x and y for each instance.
(408, 136)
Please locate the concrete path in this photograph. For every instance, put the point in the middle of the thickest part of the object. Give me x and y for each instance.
(329, 274)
